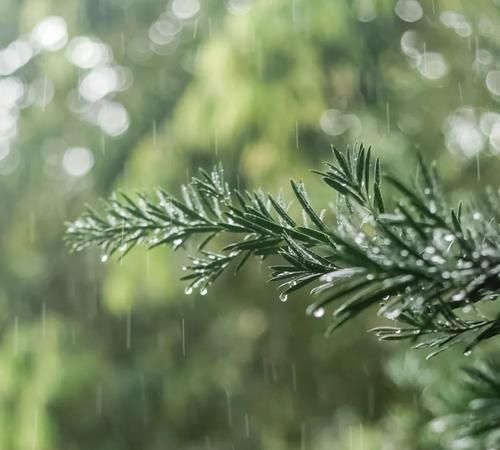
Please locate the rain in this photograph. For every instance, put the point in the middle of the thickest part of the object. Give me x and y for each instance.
(121, 346)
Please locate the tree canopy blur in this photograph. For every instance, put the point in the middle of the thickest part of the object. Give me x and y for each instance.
(97, 95)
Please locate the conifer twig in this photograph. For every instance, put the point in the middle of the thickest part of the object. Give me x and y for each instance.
(425, 265)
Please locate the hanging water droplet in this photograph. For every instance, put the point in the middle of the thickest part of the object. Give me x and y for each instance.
(319, 312)
(467, 309)
(177, 242)
(188, 290)
(104, 258)
(393, 314)
(204, 291)
(467, 352)
(283, 297)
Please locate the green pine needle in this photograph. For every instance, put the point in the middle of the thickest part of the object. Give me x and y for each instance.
(429, 267)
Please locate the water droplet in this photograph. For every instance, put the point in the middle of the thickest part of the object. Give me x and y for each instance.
(104, 258)
(439, 425)
(393, 314)
(177, 242)
(188, 290)
(283, 297)
(319, 312)
(467, 352)
(438, 259)
(204, 291)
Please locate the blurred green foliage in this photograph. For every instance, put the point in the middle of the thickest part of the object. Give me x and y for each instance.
(103, 94)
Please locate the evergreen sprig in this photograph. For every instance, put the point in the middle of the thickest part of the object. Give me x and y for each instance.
(427, 266)
(471, 418)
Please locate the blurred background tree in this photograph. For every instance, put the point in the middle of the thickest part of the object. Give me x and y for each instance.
(103, 94)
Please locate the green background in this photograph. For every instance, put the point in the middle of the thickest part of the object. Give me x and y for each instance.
(115, 355)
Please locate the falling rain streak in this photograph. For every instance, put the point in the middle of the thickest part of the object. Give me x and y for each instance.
(155, 138)
(296, 134)
(128, 333)
(16, 335)
(183, 335)
(229, 408)
(98, 400)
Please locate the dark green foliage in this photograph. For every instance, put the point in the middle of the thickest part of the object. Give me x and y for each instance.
(471, 418)
(424, 264)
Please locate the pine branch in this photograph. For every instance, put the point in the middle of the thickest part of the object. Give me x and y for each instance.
(427, 266)
(261, 225)
(472, 418)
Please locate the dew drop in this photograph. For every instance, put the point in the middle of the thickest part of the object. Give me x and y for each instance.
(320, 312)
(459, 296)
(104, 258)
(283, 297)
(393, 314)
(467, 352)
(188, 290)
(204, 291)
